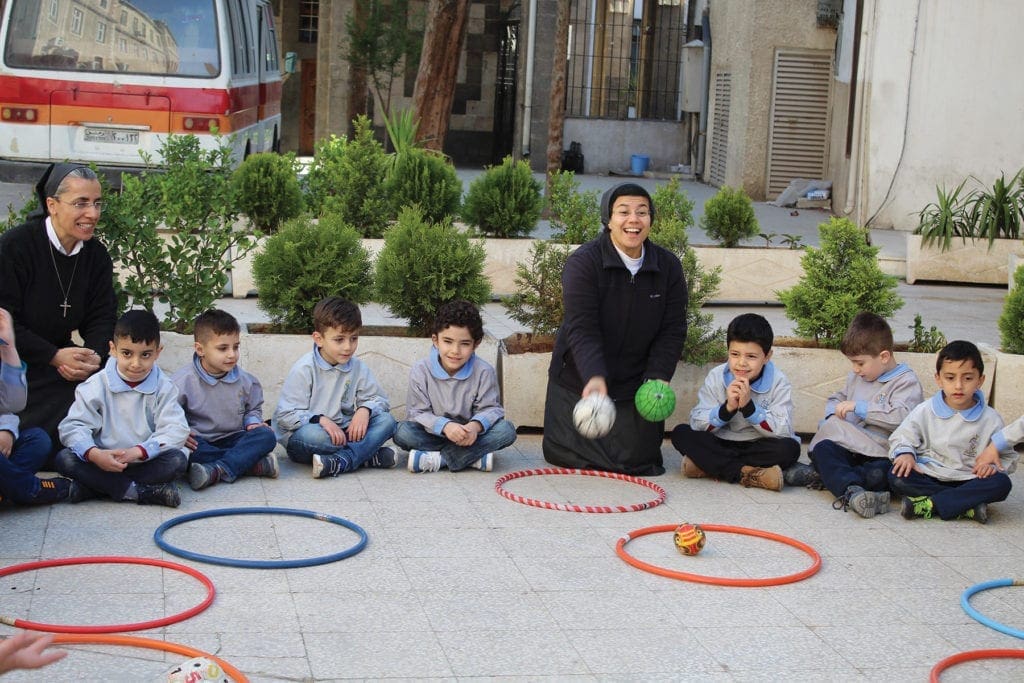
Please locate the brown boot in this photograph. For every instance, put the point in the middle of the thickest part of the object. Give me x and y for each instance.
(691, 471)
(762, 477)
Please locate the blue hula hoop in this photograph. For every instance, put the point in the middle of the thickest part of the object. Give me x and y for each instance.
(158, 536)
(965, 602)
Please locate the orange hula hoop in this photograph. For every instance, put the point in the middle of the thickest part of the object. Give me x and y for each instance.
(150, 644)
(970, 656)
(620, 550)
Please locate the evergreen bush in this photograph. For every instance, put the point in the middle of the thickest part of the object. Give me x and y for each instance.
(841, 278)
(1011, 320)
(505, 201)
(729, 217)
(425, 179)
(537, 301)
(267, 189)
(346, 178)
(673, 214)
(575, 216)
(423, 264)
(305, 262)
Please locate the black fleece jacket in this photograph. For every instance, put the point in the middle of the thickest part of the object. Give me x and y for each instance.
(622, 327)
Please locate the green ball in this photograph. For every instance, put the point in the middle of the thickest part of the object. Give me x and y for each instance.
(655, 400)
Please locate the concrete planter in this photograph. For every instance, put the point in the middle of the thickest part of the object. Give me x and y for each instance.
(271, 356)
(752, 274)
(1007, 397)
(970, 261)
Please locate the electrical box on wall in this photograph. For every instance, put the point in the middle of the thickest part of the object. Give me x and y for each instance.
(691, 76)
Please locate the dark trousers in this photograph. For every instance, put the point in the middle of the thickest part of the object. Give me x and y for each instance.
(165, 467)
(841, 468)
(18, 481)
(952, 498)
(723, 459)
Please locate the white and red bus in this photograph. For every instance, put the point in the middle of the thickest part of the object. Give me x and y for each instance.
(101, 80)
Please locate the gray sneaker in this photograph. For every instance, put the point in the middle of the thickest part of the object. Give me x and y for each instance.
(265, 467)
(200, 476)
(867, 504)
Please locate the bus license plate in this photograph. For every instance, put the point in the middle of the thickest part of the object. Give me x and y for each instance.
(123, 137)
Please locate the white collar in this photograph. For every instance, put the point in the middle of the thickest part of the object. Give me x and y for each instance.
(55, 241)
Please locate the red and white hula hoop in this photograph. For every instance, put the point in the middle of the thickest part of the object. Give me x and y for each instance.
(565, 507)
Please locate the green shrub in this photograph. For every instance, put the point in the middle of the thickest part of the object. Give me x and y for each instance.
(673, 214)
(305, 262)
(505, 201)
(423, 178)
(1011, 320)
(16, 218)
(346, 178)
(537, 301)
(188, 265)
(575, 216)
(424, 264)
(925, 341)
(729, 217)
(840, 279)
(267, 189)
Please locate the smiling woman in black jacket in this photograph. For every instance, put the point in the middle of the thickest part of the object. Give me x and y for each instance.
(625, 322)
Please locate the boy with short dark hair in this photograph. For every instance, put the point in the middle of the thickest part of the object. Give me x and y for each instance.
(455, 418)
(741, 429)
(332, 413)
(935, 451)
(125, 432)
(224, 407)
(24, 452)
(850, 452)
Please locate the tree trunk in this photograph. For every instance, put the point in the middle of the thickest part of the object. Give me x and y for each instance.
(439, 66)
(358, 90)
(556, 107)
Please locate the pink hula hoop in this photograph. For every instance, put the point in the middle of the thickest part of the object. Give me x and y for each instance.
(499, 487)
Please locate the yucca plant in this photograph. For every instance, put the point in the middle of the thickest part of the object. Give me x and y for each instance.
(997, 212)
(947, 217)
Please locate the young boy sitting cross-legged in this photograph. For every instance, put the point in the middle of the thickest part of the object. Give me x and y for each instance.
(125, 432)
(455, 414)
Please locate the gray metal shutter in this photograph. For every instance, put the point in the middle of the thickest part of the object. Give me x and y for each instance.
(801, 97)
(720, 129)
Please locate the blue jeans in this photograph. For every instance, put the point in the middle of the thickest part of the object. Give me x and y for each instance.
(312, 438)
(952, 498)
(841, 468)
(235, 453)
(412, 436)
(165, 467)
(18, 480)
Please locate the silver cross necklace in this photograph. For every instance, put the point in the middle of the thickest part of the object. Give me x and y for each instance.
(65, 292)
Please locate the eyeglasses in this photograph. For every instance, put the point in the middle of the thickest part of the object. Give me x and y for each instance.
(82, 205)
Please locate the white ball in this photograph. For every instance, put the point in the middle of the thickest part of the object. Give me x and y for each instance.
(594, 416)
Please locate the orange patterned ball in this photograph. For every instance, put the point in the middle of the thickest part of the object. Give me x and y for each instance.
(689, 539)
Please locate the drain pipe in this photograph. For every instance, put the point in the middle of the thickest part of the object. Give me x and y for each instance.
(531, 39)
(702, 134)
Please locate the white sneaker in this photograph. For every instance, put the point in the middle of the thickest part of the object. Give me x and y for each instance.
(484, 464)
(425, 461)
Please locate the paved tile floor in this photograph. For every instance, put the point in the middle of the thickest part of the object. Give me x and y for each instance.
(459, 583)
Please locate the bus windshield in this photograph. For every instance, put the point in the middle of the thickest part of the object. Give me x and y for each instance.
(152, 37)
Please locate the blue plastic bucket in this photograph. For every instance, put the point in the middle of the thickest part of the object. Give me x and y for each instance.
(638, 163)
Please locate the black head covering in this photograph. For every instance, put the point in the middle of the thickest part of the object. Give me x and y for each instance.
(51, 180)
(622, 190)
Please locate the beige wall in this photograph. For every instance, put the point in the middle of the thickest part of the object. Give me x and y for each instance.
(965, 104)
(745, 36)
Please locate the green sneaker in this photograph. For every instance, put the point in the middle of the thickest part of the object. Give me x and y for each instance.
(978, 513)
(916, 506)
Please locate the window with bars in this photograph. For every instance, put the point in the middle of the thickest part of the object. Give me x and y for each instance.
(309, 13)
(624, 58)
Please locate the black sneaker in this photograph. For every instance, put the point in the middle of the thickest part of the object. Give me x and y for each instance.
(802, 475)
(79, 492)
(383, 459)
(159, 494)
(52, 491)
(200, 476)
(979, 513)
